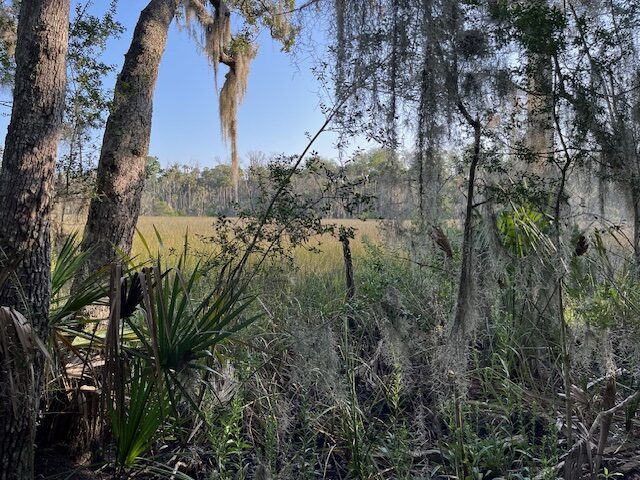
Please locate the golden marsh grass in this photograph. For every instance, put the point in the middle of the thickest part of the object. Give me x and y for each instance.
(172, 231)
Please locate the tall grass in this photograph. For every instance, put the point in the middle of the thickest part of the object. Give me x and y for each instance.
(322, 387)
(172, 231)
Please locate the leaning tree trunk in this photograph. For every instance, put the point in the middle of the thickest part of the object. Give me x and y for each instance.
(26, 186)
(114, 209)
(466, 285)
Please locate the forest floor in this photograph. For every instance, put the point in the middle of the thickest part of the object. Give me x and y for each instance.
(54, 463)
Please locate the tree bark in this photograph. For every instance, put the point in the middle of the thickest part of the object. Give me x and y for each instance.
(348, 266)
(465, 286)
(26, 187)
(540, 127)
(115, 207)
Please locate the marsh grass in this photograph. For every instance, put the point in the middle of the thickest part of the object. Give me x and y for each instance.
(172, 232)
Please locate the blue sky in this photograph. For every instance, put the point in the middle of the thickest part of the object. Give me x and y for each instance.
(282, 101)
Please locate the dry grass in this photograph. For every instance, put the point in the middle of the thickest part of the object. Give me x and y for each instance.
(173, 230)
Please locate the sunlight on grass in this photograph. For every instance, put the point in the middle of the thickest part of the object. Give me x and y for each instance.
(172, 231)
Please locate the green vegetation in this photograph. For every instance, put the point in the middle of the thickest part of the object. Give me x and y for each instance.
(318, 387)
(460, 302)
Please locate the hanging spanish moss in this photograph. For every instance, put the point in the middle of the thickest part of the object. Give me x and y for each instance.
(217, 42)
(423, 74)
(279, 21)
(231, 97)
(211, 28)
(393, 55)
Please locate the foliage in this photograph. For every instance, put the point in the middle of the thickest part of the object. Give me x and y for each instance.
(176, 340)
(86, 103)
(523, 230)
(8, 26)
(374, 180)
(284, 214)
(245, 360)
(65, 304)
(135, 424)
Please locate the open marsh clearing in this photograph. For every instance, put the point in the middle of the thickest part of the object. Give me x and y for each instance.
(172, 232)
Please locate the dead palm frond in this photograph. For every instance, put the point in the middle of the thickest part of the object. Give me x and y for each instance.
(19, 343)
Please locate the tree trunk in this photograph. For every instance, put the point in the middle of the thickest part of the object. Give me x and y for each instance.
(348, 266)
(540, 128)
(540, 106)
(466, 284)
(26, 188)
(114, 209)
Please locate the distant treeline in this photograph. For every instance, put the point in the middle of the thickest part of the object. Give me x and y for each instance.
(379, 183)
